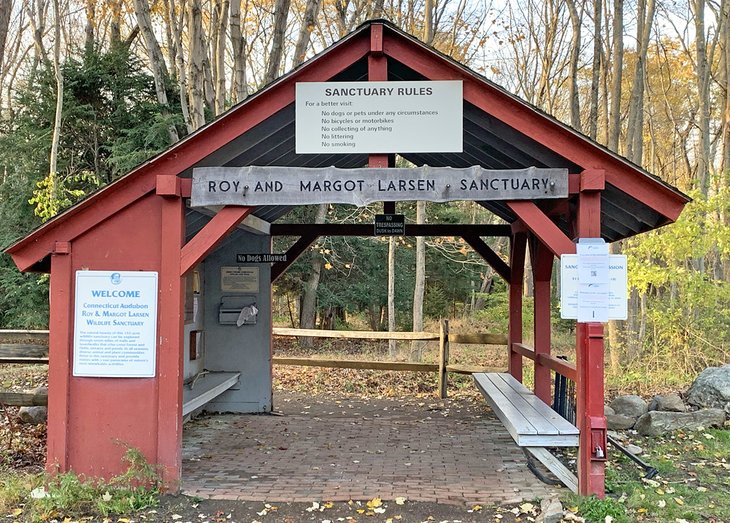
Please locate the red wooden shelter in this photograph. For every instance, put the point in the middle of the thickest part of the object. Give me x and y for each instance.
(140, 223)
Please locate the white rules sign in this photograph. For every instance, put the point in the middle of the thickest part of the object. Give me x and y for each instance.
(379, 117)
(256, 185)
(115, 324)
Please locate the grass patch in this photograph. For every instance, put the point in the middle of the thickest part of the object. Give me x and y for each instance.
(693, 482)
(40, 497)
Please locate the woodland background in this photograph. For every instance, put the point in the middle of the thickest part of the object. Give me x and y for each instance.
(91, 88)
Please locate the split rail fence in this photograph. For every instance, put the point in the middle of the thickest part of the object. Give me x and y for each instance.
(34, 350)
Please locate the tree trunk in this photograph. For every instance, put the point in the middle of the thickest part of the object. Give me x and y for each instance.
(419, 289)
(195, 64)
(596, 73)
(309, 21)
(281, 13)
(309, 300)
(219, 57)
(574, 95)
(55, 139)
(428, 28)
(5, 8)
(634, 131)
(176, 22)
(154, 53)
(617, 59)
(703, 96)
(238, 44)
(392, 346)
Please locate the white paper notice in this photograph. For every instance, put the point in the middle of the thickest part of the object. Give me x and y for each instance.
(617, 287)
(593, 290)
(379, 117)
(115, 324)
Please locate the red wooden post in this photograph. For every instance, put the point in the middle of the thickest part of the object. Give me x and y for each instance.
(517, 270)
(59, 356)
(589, 359)
(170, 348)
(542, 269)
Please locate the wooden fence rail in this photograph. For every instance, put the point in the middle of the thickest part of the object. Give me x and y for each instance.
(30, 353)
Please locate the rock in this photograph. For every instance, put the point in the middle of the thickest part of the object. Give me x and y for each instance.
(657, 422)
(551, 511)
(668, 403)
(634, 449)
(711, 389)
(33, 415)
(608, 411)
(619, 422)
(630, 405)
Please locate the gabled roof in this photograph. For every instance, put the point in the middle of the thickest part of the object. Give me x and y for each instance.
(500, 131)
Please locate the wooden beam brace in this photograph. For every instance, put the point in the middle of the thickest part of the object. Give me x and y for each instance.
(542, 227)
(489, 256)
(209, 236)
(294, 252)
(364, 229)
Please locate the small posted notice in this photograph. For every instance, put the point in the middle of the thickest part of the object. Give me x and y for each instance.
(115, 324)
(379, 117)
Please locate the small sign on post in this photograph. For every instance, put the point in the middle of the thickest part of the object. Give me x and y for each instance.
(390, 225)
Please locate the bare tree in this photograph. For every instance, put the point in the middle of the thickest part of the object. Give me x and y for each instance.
(5, 8)
(617, 66)
(239, 87)
(196, 74)
(157, 61)
(58, 72)
(308, 311)
(218, 44)
(419, 288)
(281, 13)
(392, 346)
(574, 95)
(309, 20)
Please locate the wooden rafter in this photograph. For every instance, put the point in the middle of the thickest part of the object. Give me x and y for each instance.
(294, 252)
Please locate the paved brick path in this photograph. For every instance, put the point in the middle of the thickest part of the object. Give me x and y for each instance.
(342, 448)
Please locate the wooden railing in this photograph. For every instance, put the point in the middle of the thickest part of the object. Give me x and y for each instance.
(554, 363)
(29, 353)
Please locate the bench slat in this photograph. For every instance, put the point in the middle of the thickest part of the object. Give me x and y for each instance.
(207, 388)
(561, 425)
(535, 416)
(530, 422)
(510, 417)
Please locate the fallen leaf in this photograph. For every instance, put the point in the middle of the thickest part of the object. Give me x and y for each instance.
(106, 496)
(375, 502)
(402, 501)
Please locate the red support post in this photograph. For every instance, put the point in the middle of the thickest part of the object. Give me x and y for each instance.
(517, 271)
(170, 349)
(59, 356)
(589, 360)
(542, 270)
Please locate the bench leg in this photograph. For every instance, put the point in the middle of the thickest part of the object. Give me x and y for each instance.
(555, 466)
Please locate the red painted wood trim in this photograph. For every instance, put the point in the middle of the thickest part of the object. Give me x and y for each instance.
(210, 236)
(519, 115)
(593, 180)
(542, 265)
(40, 243)
(560, 366)
(186, 187)
(170, 349)
(167, 185)
(188, 151)
(376, 39)
(589, 215)
(59, 360)
(542, 227)
(524, 350)
(488, 255)
(518, 247)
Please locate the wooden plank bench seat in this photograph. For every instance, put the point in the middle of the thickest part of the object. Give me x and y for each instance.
(531, 423)
(205, 388)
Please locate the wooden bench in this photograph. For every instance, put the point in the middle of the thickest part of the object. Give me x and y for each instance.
(205, 387)
(531, 423)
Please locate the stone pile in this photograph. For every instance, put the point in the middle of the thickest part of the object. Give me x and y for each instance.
(706, 404)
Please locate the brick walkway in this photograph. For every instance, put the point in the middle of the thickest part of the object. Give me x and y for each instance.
(342, 448)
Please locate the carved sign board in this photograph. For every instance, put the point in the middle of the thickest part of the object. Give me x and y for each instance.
(254, 185)
(379, 117)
